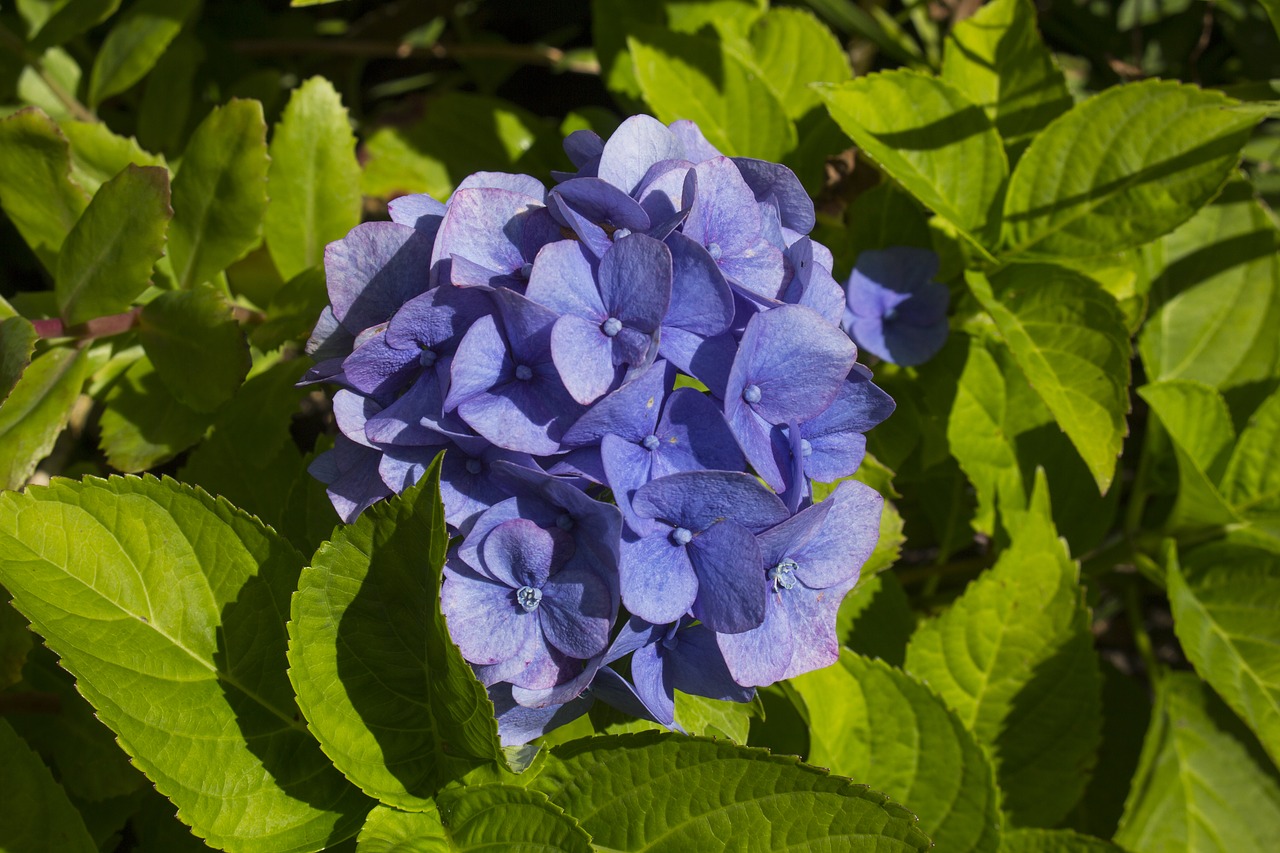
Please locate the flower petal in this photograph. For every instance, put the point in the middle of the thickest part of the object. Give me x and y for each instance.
(731, 578)
(698, 499)
(577, 612)
(658, 581)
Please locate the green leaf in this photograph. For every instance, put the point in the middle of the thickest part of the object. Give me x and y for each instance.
(792, 49)
(36, 410)
(107, 258)
(1225, 598)
(168, 607)
(69, 18)
(17, 342)
(314, 180)
(1216, 297)
(35, 813)
(662, 792)
(870, 721)
(143, 424)
(382, 685)
(1069, 338)
(1252, 481)
(61, 70)
(1198, 786)
(931, 139)
(15, 643)
(1199, 425)
(36, 188)
(170, 93)
(1122, 168)
(691, 77)
(1014, 658)
(875, 618)
(220, 192)
(1273, 12)
(196, 345)
(997, 59)
(729, 18)
(134, 45)
(483, 817)
(698, 715)
(460, 134)
(980, 441)
(98, 155)
(1053, 841)
(292, 310)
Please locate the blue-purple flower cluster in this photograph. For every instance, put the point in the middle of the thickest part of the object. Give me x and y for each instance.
(635, 377)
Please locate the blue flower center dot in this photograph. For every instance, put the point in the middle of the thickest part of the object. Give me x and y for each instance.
(713, 249)
(427, 358)
(751, 393)
(565, 522)
(526, 271)
(473, 466)
(524, 372)
(806, 449)
(784, 574)
(620, 233)
(529, 597)
(681, 536)
(611, 327)
(650, 442)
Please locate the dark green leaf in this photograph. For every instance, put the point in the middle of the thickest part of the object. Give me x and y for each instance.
(37, 409)
(36, 188)
(68, 19)
(876, 620)
(143, 424)
(219, 193)
(107, 258)
(383, 687)
(870, 721)
(168, 607)
(163, 116)
(1252, 480)
(668, 793)
(314, 179)
(1199, 786)
(35, 813)
(931, 139)
(1069, 338)
(1053, 841)
(17, 343)
(196, 345)
(135, 44)
(1122, 168)
(483, 817)
(15, 643)
(691, 77)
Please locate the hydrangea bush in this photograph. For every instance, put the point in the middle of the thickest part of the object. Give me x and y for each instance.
(578, 520)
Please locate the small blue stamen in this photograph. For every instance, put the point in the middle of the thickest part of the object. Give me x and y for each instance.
(681, 536)
(565, 522)
(714, 250)
(620, 233)
(524, 372)
(611, 327)
(783, 574)
(529, 597)
(650, 442)
(473, 466)
(427, 358)
(751, 393)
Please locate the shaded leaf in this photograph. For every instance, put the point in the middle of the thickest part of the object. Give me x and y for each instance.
(1053, 841)
(17, 343)
(143, 424)
(37, 409)
(35, 813)
(36, 188)
(98, 155)
(1252, 480)
(875, 618)
(68, 19)
(134, 45)
(168, 607)
(196, 345)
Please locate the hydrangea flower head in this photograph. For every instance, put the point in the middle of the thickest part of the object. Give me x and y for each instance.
(635, 376)
(895, 309)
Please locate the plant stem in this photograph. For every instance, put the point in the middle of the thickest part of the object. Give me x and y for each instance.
(532, 54)
(1138, 627)
(115, 324)
(18, 48)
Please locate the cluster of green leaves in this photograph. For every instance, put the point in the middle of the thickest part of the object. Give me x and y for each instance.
(1089, 460)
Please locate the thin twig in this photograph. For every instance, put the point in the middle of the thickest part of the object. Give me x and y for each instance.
(18, 48)
(1206, 32)
(98, 327)
(533, 54)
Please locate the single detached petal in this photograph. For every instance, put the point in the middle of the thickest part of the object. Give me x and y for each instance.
(634, 146)
(731, 581)
(697, 499)
(577, 612)
(658, 581)
(374, 270)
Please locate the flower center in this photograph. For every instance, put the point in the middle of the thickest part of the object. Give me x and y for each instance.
(784, 574)
(473, 466)
(650, 442)
(611, 327)
(524, 372)
(565, 522)
(529, 597)
(681, 536)
(427, 358)
(751, 393)
(713, 249)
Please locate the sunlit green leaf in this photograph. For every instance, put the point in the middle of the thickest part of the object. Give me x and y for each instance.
(792, 49)
(36, 188)
(98, 155)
